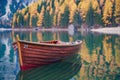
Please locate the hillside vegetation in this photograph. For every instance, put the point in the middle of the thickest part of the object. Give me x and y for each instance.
(61, 13)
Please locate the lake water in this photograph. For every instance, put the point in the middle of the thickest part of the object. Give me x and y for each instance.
(98, 59)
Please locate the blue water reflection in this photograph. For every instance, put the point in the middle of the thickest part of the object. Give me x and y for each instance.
(9, 66)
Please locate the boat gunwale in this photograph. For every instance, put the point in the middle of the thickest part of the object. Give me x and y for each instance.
(48, 44)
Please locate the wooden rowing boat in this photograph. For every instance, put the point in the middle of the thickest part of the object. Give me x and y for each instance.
(34, 54)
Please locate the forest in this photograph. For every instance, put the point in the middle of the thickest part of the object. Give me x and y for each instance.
(61, 13)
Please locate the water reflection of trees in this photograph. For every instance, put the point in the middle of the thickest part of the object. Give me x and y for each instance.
(38, 36)
(47, 36)
(64, 36)
(93, 41)
(99, 53)
(101, 58)
(100, 70)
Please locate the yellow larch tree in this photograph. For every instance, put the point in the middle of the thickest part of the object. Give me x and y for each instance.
(32, 11)
(83, 7)
(117, 12)
(33, 8)
(57, 14)
(56, 11)
(25, 17)
(107, 12)
(62, 8)
(51, 11)
(73, 8)
(95, 6)
(24, 10)
(56, 6)
(40, 17)
(39, 20)
(26, 21)
(67, 2)
(39, 2)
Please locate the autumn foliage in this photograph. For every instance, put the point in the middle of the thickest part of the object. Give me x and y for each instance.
(61, 13)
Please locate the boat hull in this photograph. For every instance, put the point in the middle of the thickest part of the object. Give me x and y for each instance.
(63, 70)
(33, 55)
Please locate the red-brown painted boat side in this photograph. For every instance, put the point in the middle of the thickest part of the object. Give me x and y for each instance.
(34, 55)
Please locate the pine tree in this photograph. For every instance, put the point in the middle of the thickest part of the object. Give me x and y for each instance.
(34, 20)
(20, 20)
(77, 19)
(40, 17)
(39, 8)
(65, 17)
(90, 16)
(47, 20)
(98, 19)
(53, 6)
(26, 20)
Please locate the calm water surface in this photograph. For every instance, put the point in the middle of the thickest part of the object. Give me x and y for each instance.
(98, 59)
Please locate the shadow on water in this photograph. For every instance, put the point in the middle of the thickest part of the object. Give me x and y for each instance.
(63, 70)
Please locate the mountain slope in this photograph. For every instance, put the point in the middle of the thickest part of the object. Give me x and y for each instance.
(9, 7)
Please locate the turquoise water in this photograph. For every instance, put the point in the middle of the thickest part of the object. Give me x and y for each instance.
(98, 59)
